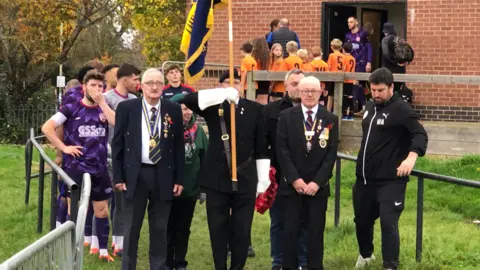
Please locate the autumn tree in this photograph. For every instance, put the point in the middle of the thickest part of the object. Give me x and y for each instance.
(30, 38)
(107, 41)
(160, 25)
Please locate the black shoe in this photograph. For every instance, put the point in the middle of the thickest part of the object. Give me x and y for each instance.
(118, 253)
(169, 268)
(181, 268)
(251, 252)
(277, 268)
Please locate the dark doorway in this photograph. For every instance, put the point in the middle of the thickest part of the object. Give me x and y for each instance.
(335, 16)
(372, 21)
(335, 21)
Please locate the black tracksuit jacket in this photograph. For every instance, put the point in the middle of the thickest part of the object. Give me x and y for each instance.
(390, 132)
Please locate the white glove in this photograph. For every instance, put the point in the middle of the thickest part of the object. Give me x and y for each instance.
(263, 171)
(211, 97)
(232, 94)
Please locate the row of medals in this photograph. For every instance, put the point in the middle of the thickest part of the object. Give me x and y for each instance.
(322, 139)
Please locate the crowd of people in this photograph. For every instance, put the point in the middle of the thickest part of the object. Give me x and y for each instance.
(280, 50)
(139, 140)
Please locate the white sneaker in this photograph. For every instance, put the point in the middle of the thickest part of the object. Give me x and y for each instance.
(362, 262)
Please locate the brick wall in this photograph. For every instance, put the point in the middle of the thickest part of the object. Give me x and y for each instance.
(448, 113)
(444, 34)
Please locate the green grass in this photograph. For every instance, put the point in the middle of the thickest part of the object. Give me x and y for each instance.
(451, 241)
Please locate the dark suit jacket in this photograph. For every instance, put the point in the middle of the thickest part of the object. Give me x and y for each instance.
(272, 113)
(127, 147)
(295, 161)
(214, 173)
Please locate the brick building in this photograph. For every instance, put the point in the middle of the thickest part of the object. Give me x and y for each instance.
(444, 33)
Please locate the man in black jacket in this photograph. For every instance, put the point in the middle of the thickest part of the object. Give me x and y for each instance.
(307, 144)
(392, 140)
(253, 168)
(148, 158)
(283, 35)
(277, 211)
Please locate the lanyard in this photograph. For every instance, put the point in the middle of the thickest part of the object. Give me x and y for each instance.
(152, 131)
(309, 138)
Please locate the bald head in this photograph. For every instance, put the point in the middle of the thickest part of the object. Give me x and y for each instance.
(283, 22)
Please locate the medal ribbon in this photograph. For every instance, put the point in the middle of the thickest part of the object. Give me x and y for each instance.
(152, 131)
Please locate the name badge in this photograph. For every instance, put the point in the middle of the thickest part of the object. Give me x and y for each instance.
(309, 133)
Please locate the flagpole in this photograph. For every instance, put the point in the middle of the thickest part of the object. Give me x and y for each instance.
(232, 105)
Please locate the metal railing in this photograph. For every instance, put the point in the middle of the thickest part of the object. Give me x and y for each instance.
(21, 118)
(62, 248)
(81, 219)
(55, 172)
(421, 176)
(55, 250)
(339, 77)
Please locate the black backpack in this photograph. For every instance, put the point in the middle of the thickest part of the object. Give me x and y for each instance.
(402, 51)
(406, 94)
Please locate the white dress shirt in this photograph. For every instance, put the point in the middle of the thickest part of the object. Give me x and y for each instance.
(145, 132)
(305, 114)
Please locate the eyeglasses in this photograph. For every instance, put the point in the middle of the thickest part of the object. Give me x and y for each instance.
(153, 83)
(309, 91)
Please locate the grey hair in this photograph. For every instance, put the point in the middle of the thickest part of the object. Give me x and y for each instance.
(293, 72)
(151, 71)
(310, 79)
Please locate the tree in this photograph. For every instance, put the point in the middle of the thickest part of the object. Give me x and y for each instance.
(108, 42)
(30, 38)
(160, 24)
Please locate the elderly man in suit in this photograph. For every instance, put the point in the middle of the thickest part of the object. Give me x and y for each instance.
(253, 168)
(148, 157)
(307, 144)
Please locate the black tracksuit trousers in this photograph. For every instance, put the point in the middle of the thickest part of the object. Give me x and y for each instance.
(370, 202)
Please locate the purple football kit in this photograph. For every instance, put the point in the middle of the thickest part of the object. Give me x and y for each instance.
(72, 95)
(362, 52)
(362, 49)
(87, 126)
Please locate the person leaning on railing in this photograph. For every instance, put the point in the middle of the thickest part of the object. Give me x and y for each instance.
(85, 124)
(392, 140)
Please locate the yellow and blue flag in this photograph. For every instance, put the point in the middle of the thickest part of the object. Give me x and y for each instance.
(197, 32)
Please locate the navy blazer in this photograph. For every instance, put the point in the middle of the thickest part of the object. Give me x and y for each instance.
(295, 161)
(127, 147)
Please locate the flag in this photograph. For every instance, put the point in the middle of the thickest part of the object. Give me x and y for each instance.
(197, 32)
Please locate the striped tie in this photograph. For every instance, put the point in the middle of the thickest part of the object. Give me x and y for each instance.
(309, 123)
(154, 152)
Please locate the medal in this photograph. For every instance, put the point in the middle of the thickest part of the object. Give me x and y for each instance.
(327, 131)
(323, 143)
(309, 134)
(152, 143)
(165, 135)
(153, 127)
(220, 112)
